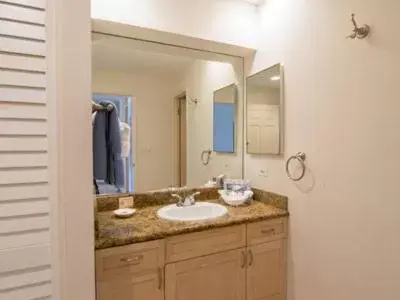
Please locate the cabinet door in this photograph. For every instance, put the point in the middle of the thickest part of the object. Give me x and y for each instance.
(219, 276)
(136, 287)
(266, 271)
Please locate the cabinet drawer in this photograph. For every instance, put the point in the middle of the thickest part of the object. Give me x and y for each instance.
(130, 259)
(266, 231)
(204, 243)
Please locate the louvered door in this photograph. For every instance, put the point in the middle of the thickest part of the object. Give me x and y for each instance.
(25, 271)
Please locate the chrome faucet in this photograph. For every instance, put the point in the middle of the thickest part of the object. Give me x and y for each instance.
(186, 201)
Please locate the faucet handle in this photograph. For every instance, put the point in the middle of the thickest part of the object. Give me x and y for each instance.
(179, 197)
(195, 194)
(190, 199)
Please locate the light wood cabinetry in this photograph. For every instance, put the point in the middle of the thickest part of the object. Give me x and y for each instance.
(203, 243)
(131, 272)
(266, 231)
(140, 286)
(244, 262)
(214, 277)
(266, 271)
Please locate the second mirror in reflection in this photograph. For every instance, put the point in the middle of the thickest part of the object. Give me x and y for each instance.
(264, 111)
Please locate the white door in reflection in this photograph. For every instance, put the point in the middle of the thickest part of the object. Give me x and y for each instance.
(263, 128)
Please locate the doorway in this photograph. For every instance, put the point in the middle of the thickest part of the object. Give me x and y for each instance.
(182, 139)
(123, 104)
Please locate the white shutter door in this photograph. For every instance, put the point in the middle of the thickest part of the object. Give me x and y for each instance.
(25, 271)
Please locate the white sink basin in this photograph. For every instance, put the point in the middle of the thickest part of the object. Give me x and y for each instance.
(200, 211)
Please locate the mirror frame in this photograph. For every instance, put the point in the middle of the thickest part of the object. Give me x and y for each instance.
(281, 111)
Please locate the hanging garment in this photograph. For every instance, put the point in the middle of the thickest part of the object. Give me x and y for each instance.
(125, 139)
(107, 160)
(95, 186)
(94, 117)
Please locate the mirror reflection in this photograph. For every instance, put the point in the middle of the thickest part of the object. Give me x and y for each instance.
(163, 117)
(264, 111)
(225, 119)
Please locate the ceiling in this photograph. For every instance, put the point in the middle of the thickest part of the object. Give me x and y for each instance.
(107, 55)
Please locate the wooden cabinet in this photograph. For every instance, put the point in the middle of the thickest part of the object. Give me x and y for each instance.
(140, 286)
(244, 262)
(131, 272)
(266, 231)
(197, 244)
(266, 271)
(214, 277)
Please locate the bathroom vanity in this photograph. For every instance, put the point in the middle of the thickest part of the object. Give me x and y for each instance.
(211, 251)
(238, 256)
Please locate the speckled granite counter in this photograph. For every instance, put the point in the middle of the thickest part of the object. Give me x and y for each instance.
(145, 225)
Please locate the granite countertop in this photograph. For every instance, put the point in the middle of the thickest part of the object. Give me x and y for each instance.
(145, 225)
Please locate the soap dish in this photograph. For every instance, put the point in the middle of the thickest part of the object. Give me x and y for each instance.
(124, 212)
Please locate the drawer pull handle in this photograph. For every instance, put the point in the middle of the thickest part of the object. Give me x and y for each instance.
(126, 260)
(160, 278)
(268, 231)
(131, 259)
(251, 258)
(243, 259)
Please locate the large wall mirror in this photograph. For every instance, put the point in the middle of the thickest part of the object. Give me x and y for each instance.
(264, 111)
(163, 116)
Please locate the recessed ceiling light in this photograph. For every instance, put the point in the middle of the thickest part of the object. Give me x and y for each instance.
(275, 78)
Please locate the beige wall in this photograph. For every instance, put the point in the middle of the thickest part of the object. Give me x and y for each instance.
(227, 94)
(68, 65)
(230, 22)
(342, 109)
(263, 96)
(154, 131)
(202, 80)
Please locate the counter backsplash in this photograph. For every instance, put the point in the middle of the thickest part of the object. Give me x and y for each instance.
(163, 197)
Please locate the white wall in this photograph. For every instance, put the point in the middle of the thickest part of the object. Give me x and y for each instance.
(342, 109)
(228, 21)
(202, 80)
(153, 133)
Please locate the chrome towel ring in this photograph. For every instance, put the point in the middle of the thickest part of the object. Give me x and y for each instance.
(300, 157)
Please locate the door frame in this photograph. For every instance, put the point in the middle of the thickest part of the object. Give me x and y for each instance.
(181, 143)
(126, 94)
(70, 159)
